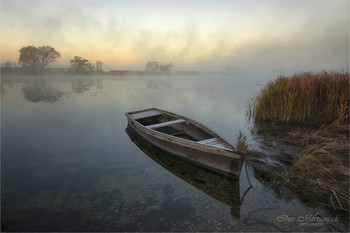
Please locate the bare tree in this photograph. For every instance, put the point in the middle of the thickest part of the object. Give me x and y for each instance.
(157, 68)
(99, 65)
(166, 68)
(34, 57)
(81, 65)
(47, 55)
(152, 67)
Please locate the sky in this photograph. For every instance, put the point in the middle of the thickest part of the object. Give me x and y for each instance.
(291, 35)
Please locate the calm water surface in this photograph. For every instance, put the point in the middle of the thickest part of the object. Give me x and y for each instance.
(67, 163)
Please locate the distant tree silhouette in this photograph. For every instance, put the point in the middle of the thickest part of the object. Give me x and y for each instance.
(157, 68)
(8, 65)
(99, 65)
(166, 68)
(81, 65)
(152, 66)
(34, 57)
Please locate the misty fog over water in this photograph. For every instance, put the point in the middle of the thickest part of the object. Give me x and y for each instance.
(70, 70)
(68, 164)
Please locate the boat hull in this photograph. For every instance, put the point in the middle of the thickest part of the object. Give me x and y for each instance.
(213, 159)
(222, 188)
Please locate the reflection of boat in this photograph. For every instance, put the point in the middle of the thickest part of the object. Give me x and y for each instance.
(222, 188)
(188, 139)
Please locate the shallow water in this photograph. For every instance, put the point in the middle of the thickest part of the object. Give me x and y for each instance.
(68, 165)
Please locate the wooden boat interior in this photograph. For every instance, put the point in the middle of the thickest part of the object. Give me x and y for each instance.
(178, 127)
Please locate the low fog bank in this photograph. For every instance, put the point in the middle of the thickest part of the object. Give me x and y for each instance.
(259, 75)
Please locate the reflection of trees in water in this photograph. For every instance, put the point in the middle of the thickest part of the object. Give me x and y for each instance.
(81, 85)
(99, 84)
(2, 89)
(40, 91)
(157, 84)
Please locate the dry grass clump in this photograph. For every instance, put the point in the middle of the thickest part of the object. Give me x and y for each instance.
(320, 171)
(324, 162)
(305, 98)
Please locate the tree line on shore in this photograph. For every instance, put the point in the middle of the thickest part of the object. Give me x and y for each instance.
(35, 59)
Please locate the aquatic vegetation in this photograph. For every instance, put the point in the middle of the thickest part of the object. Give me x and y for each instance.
(319, 171)
(324, 162)
(305, 97)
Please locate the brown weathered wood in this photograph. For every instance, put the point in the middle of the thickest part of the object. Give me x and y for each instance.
(213, 142)
(218, 144)
(204, 146)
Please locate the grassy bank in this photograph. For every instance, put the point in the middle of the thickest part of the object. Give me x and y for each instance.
(319, 172)
(306, 98)
(323, 163)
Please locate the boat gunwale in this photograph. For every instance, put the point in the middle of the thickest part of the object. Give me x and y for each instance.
(229, 152)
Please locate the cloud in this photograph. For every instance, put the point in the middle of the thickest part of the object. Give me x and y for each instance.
(198, 35)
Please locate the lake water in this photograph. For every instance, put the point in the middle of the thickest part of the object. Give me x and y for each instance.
(67, 163)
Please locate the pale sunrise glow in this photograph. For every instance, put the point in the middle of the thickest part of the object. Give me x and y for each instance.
(190, 34)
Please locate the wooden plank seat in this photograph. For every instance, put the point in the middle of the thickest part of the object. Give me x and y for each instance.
(149, 113)
(159, 125)
(212, 142)
(207, 141)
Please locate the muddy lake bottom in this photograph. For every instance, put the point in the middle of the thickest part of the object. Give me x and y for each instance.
(67, 163)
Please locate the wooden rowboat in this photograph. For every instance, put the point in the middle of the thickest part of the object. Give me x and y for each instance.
(189, 140)
(223, 188)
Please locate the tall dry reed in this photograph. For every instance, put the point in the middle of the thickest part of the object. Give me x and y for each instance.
(305, 98)
(324, 162)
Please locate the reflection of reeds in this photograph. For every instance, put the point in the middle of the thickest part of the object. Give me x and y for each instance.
(305, 97)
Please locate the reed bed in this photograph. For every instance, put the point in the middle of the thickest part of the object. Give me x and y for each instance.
(323, 163)
(318, 99)
(305, 97)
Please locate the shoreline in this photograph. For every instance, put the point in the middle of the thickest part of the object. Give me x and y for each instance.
(68, 71)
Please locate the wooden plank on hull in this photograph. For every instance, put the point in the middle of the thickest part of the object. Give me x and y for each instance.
(141, 115)
(213, 142)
